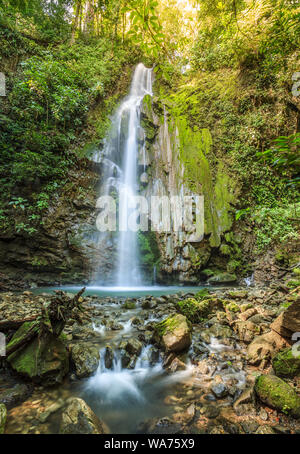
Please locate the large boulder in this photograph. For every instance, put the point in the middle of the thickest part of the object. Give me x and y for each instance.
(43, 360)
(85, 358)
(286, 363)
(130, 350)
(3, 414)
(133, 346)
(288, 322)
(276, 393)
(196, 310)
(78, 418)
(13, 396)
(217, 331)
(173, 333)
(246, 330)
(108, 357)
(263, 347)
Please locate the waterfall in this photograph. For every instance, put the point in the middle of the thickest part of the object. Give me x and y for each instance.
(119, 158)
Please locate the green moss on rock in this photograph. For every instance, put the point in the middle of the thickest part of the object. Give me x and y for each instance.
(231, 306)
(276, 393)
(207, 273)
(286, 364)
(293, 283)
(194, 310)
(3, 415)
(218, 189)
(42, 360)
(129, 305)
(22, 332)
(149, 250)
(201, 294)
(167, 325)
(225, 249)
(173, 333)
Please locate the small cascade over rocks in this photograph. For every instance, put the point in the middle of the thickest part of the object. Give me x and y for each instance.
(119, 159)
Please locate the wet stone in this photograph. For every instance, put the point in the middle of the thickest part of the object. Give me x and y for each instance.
(210, 411)
(265, 430)
(219, 390)
(108, 357)
(249, 426)
(281, 429)
(263, 415)
(13, 396)
(210, 398)
(161, 426)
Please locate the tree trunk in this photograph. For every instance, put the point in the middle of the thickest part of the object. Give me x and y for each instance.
(89, 27)
(76, 20)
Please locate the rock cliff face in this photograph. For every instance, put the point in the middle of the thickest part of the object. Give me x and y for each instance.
(169, 153)
(63, 249)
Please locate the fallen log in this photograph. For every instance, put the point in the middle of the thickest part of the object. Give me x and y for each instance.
(30, 334)
(6, 325)
(53, 318)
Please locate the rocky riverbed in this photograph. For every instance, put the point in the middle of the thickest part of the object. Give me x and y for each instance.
(218, 361)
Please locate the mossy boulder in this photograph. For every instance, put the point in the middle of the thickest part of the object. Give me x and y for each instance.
(43, 360)
(173, 333)
(278, 394)
(202, 294)
(3, 415)
(222, 278)
(286, 364)
(85, 358)
(22, 332)
(129, 305)
(239, 294)
(231, 306)
(205, 274)
(195, 310)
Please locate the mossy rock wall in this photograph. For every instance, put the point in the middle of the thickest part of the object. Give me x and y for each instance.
(214, 183)
(180, 162)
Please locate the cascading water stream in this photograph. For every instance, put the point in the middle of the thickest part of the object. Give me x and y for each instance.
(127, 249)
(119, 158)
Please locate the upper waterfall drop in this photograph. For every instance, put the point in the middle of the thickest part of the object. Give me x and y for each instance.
(128, 271)
(119, 160)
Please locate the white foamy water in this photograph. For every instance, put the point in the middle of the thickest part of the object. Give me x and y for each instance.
(100, 329)
(119, 384)
(127, 327)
